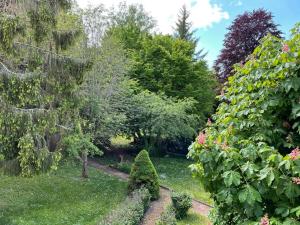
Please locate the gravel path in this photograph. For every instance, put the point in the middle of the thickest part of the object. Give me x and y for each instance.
(158, 206)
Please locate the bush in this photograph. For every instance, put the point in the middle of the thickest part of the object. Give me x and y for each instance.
(167, 217)
(182, 202)
(249, 158)
(131, 211)
(143, 173)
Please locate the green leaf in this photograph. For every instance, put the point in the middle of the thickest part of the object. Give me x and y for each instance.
(267, 174)
(231, 177)
(249, 195)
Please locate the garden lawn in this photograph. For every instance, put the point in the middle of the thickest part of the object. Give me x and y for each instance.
(193, 219)
(174, 173)
(59, 198)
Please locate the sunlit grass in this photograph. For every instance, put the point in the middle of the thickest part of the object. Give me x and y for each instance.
(193, 219)
(61, 197)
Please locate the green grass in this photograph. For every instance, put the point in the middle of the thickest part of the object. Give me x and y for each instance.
(60, 197)
(173, 173)
(193, 219)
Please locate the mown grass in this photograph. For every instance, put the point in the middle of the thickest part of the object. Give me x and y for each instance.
(60, 197)
(193, 219)
(174, 173)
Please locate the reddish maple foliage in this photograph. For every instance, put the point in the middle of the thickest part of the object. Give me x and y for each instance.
(242, 38)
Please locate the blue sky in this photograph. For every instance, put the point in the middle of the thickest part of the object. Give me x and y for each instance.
(286, 13)
(211, 17)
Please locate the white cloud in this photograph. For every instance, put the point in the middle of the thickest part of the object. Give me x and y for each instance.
(203, 13)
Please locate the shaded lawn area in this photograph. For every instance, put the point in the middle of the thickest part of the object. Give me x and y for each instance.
(59, 198)
(173, 173)
(193, 219)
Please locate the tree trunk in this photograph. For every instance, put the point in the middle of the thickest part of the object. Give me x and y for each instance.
(84, 165)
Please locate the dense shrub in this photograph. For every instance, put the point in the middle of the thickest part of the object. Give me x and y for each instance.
(167, 217)
(131, 211)
(182, 202)
(143, 173)
(249, 157)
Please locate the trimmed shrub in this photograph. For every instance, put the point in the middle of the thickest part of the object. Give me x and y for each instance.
(167, 217)
(143, 173)
(131, 211)
(182, 202)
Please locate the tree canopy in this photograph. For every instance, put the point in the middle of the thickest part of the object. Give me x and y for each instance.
(243, 37)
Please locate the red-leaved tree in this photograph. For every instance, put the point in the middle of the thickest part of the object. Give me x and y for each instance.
(242, 38)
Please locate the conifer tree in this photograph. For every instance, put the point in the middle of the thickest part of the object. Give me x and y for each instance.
(38, 98)
(183, 30)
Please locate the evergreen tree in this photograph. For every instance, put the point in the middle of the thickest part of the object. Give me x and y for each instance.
(143, 173)
(38, 98)
(183, 29)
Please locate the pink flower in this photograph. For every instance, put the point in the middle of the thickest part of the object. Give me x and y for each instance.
(295, 154)
(296, 180)
(285, 48)
(264, 220)
(201, 138)
(209, 123)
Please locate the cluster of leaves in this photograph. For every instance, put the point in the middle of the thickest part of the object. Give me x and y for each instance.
(143, 174)
(246, 156)
(131, 211)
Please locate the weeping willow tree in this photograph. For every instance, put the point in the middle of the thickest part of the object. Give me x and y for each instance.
(38, 82)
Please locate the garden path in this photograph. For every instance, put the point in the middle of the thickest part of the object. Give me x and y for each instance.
(158, 206)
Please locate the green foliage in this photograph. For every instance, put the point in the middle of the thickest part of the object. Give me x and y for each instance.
(166, 64)
(38, 87)
(246, 159)
(130, 24)
(144, 174)
(154, 118)
(181, 202)
(131, 211)
(167, 217)
(59, 197)
(107, 91)
(78, 143)
(9, 28)
(32, 159)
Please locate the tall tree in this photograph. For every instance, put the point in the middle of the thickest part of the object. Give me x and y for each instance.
(38, 96)
(130, 24)
(166, 64)
(242, 38)
(183, 28)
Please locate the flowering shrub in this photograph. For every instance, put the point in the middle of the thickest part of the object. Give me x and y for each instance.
(249, 157)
